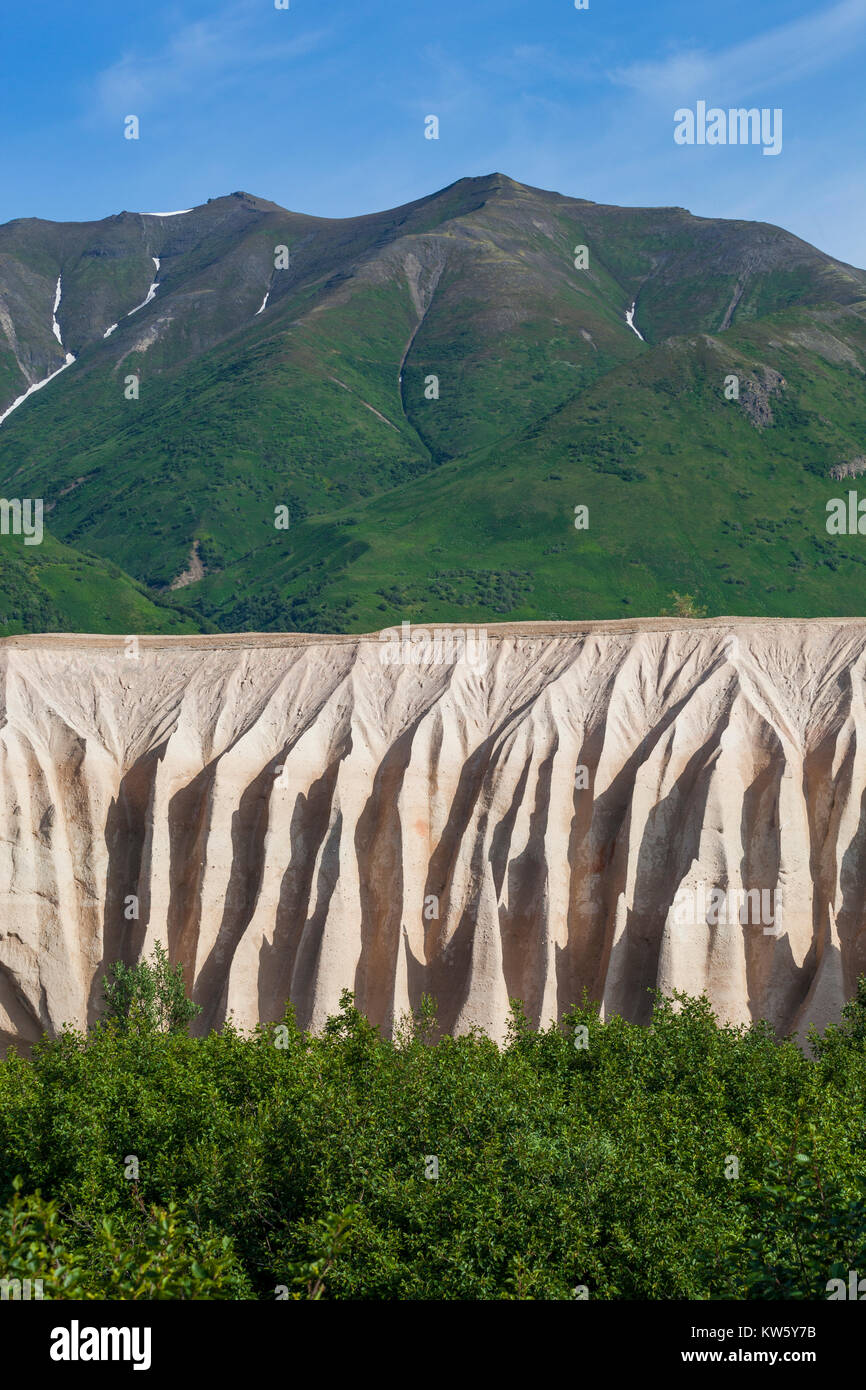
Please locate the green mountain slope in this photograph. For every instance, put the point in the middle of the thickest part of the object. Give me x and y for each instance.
(54, 588)
(430, 392)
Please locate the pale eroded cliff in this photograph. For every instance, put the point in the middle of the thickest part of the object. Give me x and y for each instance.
(430, 830)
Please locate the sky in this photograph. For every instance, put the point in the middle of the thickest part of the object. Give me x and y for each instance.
(321, 106)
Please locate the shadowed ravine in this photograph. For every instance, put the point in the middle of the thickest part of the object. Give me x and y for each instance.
(428, 832)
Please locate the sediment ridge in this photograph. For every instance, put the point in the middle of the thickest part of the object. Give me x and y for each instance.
(291, 816)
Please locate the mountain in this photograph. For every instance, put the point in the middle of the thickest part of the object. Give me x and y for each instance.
(567, 807)
(428, 393)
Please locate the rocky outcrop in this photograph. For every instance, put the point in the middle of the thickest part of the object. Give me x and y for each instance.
(851, 469)
(291, 816)
(757, 392)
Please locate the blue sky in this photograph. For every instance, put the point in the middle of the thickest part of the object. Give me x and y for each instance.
(321, 107)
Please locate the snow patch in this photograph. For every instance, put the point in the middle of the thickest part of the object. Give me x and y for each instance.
(151, 292)
(108, 332)
(37, 386)
(180, 213)
(264, 305)
(54, 324)
(629, 318)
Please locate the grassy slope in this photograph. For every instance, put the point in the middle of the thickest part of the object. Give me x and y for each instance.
(684, 491)
(53, 588)
(461, 508)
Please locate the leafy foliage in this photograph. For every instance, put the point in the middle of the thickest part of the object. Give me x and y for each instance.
(145, 998)
(160, 1257)
(282, 1164)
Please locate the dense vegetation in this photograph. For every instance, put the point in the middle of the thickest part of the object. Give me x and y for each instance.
(53, 588)
(588, 1160)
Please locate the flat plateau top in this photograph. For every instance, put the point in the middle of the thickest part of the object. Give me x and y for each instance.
(222, 641)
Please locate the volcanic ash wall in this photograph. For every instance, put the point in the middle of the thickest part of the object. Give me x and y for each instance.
(291, 816)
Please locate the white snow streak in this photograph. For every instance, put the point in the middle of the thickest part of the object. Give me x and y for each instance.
(181, 213)
(108, 332)
(54, 324)
(264, 305)
(56, 327)
(151, 292)
(629, 318)
(37, 386)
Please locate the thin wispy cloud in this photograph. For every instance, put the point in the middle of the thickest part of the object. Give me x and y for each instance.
(770, 60)
(228, 46)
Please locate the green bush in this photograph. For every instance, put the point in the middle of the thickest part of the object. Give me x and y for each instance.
(159, 1257)
(279, 1164)
(147, 998)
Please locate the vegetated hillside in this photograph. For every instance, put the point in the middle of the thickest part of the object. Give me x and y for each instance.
(52, 587)
(430, 392)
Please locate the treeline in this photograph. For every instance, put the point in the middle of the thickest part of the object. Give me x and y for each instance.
(599, 1160)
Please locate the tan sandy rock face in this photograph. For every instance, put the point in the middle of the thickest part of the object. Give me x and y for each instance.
(292, 817)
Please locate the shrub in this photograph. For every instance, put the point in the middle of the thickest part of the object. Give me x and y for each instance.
(149, 998)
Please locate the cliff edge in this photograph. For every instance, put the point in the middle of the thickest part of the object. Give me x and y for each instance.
(536, 810)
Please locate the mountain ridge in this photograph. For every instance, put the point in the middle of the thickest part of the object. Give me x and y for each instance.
(310, 388)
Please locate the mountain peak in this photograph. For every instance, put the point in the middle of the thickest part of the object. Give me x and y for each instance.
(249, 201)
(305, 377)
